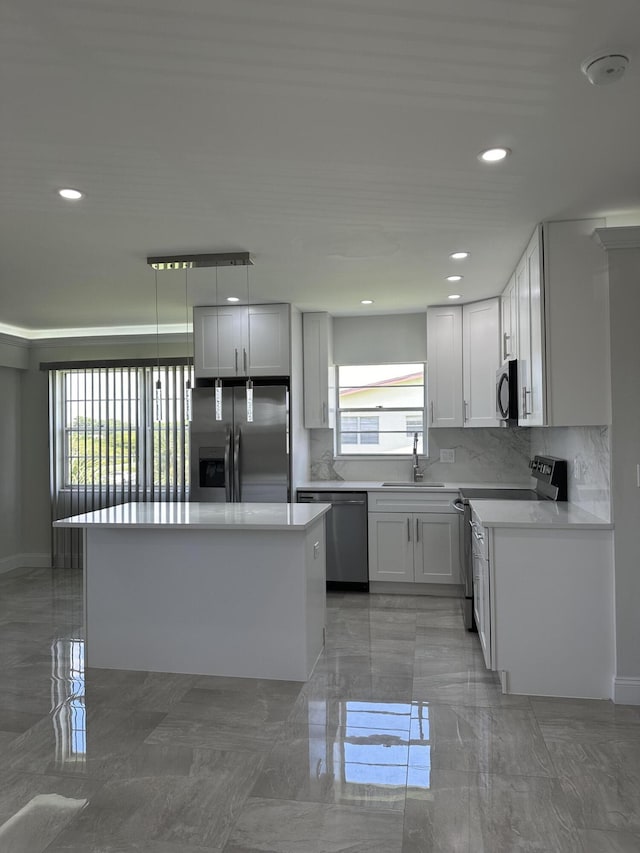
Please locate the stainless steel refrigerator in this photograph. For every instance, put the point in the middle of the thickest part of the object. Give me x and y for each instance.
(234, 460)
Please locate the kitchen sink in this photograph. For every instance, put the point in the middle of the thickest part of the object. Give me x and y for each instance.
(421, 485)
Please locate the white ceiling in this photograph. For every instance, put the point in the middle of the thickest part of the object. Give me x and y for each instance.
(335, 140)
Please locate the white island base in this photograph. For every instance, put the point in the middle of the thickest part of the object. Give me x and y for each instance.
(235, 598)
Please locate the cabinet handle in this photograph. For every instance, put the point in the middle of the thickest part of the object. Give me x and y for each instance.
(432, 418)
(525, 391)
(244, 359)
(236, 352)
(408, 530)
(417, 531)
(505, 349)
(466, 416)
(324, 413)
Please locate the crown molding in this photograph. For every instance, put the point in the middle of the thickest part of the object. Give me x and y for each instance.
(622, 237)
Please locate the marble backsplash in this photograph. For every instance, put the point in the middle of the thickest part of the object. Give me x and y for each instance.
(481, 455)
(587, 451)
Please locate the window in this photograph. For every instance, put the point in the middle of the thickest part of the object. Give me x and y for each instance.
(111, 438)
(110, 443)
(380, 408)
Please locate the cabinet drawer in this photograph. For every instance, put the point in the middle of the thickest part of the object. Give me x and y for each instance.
(389, 501)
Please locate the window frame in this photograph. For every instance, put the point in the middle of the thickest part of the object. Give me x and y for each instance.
(357, 412)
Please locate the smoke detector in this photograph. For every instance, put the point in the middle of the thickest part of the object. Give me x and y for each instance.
(602, 70)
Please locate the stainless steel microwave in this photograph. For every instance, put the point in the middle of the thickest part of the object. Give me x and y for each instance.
(507, 393)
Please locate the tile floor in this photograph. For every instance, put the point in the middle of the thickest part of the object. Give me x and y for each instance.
(401, 742)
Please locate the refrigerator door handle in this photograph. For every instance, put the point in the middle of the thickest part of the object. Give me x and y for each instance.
(227, 472)
(237, 496)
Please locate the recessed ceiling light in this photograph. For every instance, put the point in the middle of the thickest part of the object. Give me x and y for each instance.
(366, 301)
(459, 256)
(70, 194)
(454, 296)
(233, 299)
(493, 155)
(454, 278)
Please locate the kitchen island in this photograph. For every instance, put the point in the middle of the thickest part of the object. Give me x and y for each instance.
(205, 588)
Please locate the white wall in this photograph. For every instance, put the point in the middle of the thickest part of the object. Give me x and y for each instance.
(624, 284)
(389, 338)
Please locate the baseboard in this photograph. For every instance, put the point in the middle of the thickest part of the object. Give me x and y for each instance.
(25, 561)
(398, 588)
(626, 691)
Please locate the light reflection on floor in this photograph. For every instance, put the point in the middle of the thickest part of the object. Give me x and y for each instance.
(370, 745)
(68, 712)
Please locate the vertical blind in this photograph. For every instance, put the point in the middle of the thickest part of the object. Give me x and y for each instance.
(112, 442)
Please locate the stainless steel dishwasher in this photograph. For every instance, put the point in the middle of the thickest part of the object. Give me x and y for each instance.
(347, 551)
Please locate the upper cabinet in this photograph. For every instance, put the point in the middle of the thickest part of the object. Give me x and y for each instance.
(562, 342)
(509, 318)
(463, 354)
(480, 361)
(531, 355)
(444, 366)
(239, 341)
(318, 370)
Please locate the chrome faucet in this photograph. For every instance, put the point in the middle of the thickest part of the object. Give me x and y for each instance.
(417, 473)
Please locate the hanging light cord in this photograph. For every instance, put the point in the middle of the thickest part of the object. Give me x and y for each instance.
(157, 328)
(217, 326)
(186, 314)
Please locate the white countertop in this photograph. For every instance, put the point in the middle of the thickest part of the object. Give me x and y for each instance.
(376, 485)
(207, 516)
(540, 514)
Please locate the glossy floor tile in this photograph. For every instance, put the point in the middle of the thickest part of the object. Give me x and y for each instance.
(400, 742)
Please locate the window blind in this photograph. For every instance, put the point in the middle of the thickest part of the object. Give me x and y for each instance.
(111, 443)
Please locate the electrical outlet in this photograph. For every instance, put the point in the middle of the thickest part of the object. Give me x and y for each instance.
(447, 456)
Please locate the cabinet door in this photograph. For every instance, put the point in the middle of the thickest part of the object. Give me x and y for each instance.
(536, 400)
(391, 538)
(481, 359)
(266, 341)
(318, 370)
(509, 317)
(481, 605)
(437, 548)
(531, 390)
(444, 366)
(217, 338)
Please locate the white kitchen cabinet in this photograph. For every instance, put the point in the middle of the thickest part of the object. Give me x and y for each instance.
(562, 331)
(444, 366)
(413, 546)
(318, 370)
(543, 605)
(480, 361)
(531, 355)
(240, 341)
(509, 320)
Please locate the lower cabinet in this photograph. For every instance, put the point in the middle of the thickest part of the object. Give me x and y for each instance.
(419, 547)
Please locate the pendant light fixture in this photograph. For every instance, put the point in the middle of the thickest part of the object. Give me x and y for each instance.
(158, 394)
(249, 382)
(217, 385)
(199, 261)
(188, 388)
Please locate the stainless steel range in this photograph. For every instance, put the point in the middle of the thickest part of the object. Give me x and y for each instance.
(551, 485)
